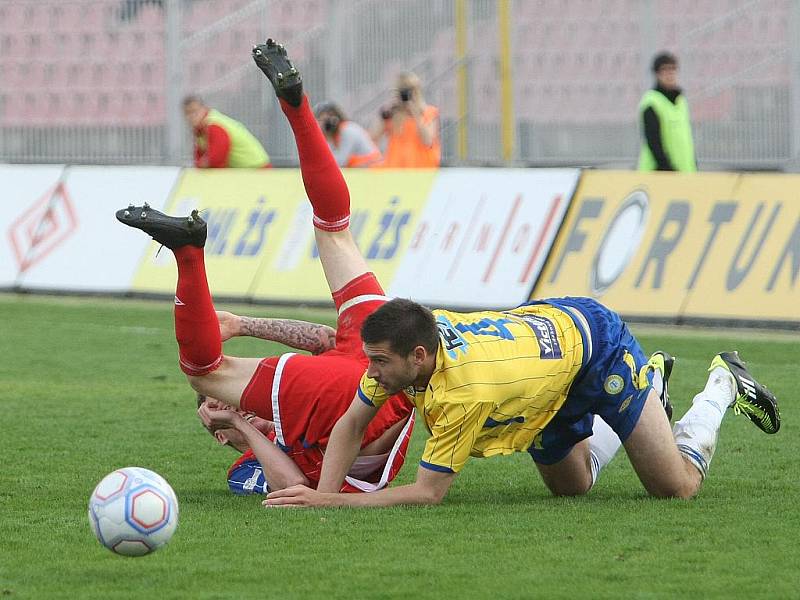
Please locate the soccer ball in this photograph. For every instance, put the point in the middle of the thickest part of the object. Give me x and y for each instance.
(133, 511)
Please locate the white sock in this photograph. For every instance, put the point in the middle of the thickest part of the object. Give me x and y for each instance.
(696, 433)
(603, 445)
(657, 381)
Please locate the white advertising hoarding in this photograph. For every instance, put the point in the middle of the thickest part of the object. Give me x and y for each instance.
(26, 238)
(484, 236)
(72, 239)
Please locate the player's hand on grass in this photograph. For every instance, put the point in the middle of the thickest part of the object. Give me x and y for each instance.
(295, 496)
(229, 325)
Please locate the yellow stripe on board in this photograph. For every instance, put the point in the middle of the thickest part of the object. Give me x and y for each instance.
(506, 81)
(461, 78)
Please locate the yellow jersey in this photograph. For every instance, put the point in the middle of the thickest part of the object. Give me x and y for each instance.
(499, 379)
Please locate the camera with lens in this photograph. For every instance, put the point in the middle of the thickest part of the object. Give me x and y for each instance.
(331, 124)
(405, 94)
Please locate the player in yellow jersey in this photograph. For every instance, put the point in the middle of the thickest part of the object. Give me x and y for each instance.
(530, 379)
(501, 377)
(562, 379)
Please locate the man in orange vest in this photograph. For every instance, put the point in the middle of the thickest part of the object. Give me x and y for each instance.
(410, 128)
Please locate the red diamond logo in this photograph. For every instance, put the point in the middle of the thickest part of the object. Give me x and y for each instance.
(43, 227)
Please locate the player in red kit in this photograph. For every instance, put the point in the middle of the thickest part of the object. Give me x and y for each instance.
(302, 395)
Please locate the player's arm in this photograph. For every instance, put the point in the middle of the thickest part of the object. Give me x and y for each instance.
(199, 157)
(428, 130)
(311, 337)
(280, 471)
(344, 444)
(446, 451)
(219, 147)
(652, 135)
(430, 488)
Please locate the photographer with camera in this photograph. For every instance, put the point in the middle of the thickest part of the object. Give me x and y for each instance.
(409, 127)
(350, 143)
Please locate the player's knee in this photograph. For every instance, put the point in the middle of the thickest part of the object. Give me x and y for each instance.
(199, 384)
(570, 492)
(680, 489)
(570, 488)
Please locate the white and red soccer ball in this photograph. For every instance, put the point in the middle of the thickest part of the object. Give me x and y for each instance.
(133, 511)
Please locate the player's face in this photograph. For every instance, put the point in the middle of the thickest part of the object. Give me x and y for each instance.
(392, 371)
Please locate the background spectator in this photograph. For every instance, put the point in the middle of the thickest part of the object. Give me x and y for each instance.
(664, 116)
(220, 141)
(410, 127)
(350, 143)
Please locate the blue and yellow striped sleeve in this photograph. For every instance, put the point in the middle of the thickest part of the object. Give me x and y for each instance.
(453, 435)
(370, 393)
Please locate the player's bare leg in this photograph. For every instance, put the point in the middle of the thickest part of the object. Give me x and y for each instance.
(651, 447)
(196, 324)
(663, 470)
(325, 186)
(572, 475)
(228, 381)
(577, 473)
(674, 463)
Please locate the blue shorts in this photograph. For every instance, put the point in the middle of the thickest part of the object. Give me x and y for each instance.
(607, 385)
(247, 477)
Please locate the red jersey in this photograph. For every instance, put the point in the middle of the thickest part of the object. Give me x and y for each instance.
(305, 395)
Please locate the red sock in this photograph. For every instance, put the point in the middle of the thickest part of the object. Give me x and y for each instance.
(196, 324)
(322, 177)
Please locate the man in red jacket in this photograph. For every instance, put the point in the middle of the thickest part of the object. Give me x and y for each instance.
(220, 141)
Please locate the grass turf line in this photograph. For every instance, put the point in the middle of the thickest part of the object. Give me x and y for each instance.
(89, 386)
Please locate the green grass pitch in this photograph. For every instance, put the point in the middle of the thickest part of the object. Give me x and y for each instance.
(88, 386)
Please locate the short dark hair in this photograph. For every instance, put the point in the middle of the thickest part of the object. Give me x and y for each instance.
(190, 99)
(404, 324)
(663, 59)
(330, 107)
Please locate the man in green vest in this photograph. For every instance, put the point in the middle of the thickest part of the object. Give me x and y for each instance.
(220, 141)
(664, 117)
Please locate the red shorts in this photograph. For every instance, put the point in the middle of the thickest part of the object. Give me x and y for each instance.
(305, 395)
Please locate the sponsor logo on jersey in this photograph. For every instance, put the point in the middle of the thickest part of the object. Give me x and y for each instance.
(545, 331)
(625, 403)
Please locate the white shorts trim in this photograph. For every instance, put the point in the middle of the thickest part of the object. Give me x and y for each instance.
(360, 299)
(276, 405)
(578, 316)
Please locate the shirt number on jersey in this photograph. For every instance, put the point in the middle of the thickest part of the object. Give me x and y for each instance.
(451, 339)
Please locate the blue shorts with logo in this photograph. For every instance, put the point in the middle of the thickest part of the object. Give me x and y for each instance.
(607, 384)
